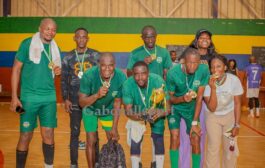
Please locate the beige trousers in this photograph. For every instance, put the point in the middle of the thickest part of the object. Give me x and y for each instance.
(216, 126)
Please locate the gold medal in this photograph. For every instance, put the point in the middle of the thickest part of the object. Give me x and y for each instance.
(106, 84)
(50, 65)
(216, 76)
(153, 56)
(192, 93)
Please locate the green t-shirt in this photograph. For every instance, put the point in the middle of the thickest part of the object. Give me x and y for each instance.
(91, 83)
(177, 82)
(132, 95)
(163, 60)
(37, 83)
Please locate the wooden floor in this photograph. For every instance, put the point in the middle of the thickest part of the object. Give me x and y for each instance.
(251, 142)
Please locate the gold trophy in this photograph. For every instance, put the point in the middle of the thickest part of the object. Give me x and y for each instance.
(158, 97)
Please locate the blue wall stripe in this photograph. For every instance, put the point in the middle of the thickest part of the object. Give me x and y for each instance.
(7, 59)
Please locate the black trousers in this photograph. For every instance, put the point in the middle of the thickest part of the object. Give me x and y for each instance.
(75, 123)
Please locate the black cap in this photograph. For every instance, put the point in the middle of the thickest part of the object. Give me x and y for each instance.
(199, 32)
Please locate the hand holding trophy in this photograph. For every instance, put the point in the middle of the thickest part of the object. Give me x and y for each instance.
(158, 97)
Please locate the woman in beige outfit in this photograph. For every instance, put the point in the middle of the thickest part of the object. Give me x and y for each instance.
(223, 99)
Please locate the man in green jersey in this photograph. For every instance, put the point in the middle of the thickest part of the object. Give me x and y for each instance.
(138, 96)
(100, 98)
(157, 58)
(186, 83)
(36, 63)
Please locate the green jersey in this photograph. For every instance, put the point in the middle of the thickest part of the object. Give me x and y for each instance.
(91, 83)
(37, 83)
(157, 66)
(180, 83)
(140, 97)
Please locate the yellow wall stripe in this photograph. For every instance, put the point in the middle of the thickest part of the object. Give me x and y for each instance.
(225, 44)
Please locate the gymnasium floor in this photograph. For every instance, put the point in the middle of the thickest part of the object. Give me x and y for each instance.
(251, 142)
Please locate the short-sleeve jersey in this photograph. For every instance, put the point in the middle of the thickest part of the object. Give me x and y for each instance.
(254, 73)
(162, 61)
(37, 83)
(180, 83)
(91, 83)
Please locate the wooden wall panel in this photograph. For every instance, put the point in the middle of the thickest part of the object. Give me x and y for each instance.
(231, 9)
(253, 4)
(263, 9)
(198, 9)
(133, 8)
(1, 8)
(238, 9)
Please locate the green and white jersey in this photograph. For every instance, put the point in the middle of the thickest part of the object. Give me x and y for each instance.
(162, 61)
(140, 97)
(180, 83)
(91, 83)
(37, 83)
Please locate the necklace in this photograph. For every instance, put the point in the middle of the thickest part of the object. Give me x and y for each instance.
(190, 91)
(81, 72)
(186, 76)
(221, 81)
(153, 56)
(106, 83)
(143, 96)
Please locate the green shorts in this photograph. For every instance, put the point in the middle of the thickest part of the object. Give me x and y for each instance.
(159, 126)
(46, 111)
(91, 121)
(175, 117)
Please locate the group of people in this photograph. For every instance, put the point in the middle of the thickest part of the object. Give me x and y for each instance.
(94, 89)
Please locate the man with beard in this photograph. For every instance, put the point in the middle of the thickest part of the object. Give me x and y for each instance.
(74, 64)
(100, 98)
(137, 97)
(156, 57)
(36, 63)
(186, 83)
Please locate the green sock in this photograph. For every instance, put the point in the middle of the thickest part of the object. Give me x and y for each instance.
(174, 157)
(196, 159)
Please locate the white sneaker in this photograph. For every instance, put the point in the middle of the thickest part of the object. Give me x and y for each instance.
(81, 145)
(47, 166)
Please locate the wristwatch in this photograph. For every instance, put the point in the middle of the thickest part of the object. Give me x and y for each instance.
(195, 123)
(237, 125)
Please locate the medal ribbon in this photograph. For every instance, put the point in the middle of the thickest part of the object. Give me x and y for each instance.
(80, 64)
(148, 51)
(187, 83)
(143, 97)
(48, 55)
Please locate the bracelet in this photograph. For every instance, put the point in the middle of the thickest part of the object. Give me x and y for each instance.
(193, 123)
(237, 125)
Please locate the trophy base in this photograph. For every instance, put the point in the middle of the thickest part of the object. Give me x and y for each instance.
(147, 118)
